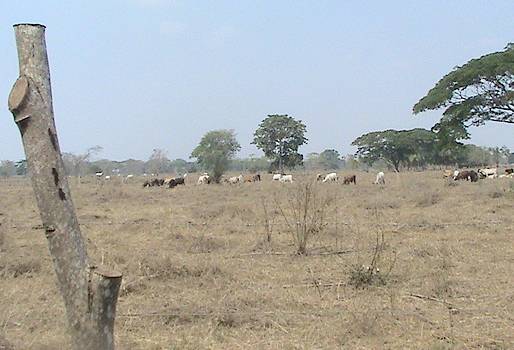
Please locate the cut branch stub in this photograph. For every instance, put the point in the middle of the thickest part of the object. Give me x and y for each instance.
(19, 94)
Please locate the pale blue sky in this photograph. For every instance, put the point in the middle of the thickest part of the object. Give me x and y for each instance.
(136, 75)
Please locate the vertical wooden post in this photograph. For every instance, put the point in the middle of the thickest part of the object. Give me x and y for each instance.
(89, 293)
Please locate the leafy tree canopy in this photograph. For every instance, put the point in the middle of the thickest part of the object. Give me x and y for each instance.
(404, 147)
(215, 151)
(481, 90)
(279, 136)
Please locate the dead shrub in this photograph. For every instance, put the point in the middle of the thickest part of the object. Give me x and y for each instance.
(378, 271)
(305, 214)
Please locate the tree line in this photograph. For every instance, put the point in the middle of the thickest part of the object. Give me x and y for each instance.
(480, 91)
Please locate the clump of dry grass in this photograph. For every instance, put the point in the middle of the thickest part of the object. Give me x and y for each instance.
(15, 268)
(427, 198)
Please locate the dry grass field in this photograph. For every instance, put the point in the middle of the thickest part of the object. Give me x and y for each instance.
(200, 272)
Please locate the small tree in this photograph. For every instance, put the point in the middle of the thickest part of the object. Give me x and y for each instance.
(279, 137)
(215, 151)
(158, 162)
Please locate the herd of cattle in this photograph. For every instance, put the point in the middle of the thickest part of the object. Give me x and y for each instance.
(473, 176)
(206, 179)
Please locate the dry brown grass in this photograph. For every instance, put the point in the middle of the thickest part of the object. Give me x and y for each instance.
(201, 273)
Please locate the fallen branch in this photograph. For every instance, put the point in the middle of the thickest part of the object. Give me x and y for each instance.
(420, 296)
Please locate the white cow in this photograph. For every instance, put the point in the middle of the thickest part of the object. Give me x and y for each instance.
(235, 179)
(286, 178)
(107, 177)
(99, 174)
(276, 177)
(332, 177)
(380, 179)
(204, 179)
(488, 173)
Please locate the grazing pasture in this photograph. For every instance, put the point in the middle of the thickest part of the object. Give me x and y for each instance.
(419, 263)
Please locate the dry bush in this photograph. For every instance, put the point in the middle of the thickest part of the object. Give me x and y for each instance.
(377, 273)
(305, 214)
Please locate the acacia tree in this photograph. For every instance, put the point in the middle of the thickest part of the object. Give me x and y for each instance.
(481, 90)
(279, 137)
(215, 151)
(403, 147)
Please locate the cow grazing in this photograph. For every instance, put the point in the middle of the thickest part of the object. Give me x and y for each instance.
(350, 179)
(253, 178)
(153, 182)
(488, 173)
(319, 177)
(332, 177)
(448, 173)
(204, 179)
(235, 179)
(468, 175)
(177, 181)
(276, 177)
(286, 178)
(380, 179)
(509, 171)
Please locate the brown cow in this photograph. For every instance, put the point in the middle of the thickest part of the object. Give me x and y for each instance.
(349, 179)
(468, 175)
(252, 178)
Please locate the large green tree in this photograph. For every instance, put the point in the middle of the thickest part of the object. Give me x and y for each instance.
(416, 147)
(479, 91)
(216, 150)
(279, 136)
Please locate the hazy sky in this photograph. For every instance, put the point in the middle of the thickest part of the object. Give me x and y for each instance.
(136, 75)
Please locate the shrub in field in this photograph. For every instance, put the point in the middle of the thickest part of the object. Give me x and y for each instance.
(376, 273)
(305, 213)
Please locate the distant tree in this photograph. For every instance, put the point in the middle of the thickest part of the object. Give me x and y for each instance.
(511, 158)
(158, 162)
(21, 167)
(477, 156)
(329, 159)
(479, 91)
(215, 151)
(416, 147)
(77, 164)
(7, 168)
(279, 137)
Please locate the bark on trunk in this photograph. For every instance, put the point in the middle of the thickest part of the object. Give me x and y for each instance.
(89, 293)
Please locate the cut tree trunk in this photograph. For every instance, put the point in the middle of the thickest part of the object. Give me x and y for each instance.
(90, 293)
